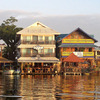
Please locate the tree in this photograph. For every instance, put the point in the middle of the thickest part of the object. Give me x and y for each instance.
(8, 32)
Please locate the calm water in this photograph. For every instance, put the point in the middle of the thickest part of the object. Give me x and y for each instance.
(49, 87)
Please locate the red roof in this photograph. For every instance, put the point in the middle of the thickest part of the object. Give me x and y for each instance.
(72, 58)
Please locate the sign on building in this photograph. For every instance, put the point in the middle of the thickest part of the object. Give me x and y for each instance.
(38, 47)
(78, 54)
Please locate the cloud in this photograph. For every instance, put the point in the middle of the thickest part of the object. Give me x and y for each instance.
(17, 14)
(61, 23)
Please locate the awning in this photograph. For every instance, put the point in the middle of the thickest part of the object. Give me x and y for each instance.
(72, 58)
(39, 60)
(77, 45)
(4, 60)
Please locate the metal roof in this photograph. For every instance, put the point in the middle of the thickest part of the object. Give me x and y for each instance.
(77, 45)
(37, 28)
(38, 60)
(4, 60)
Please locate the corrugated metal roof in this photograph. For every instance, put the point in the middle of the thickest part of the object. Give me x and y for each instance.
(36, 59)
(61, 36)
(77, 45)
(4, 60)
(37, 28)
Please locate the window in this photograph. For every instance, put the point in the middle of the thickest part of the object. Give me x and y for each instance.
(40, 38)
(24, 51)
(24, 38)
(40, 51)
(50, 50)
(76, 49)
(28, 51)
(50, 38)
(98, 52)
(35, 38)
(45, 51)
(90, 49)
(64, 49)
(81, 49)
(46, 38)
(27, 38)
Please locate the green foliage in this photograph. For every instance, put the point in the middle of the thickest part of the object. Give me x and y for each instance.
(8, 32)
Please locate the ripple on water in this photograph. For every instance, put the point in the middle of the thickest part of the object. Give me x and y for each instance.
(47, 87)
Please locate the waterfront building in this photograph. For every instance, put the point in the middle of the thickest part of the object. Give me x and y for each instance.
(3, 61)
(97, 56)
(37, 49)
(80, 44)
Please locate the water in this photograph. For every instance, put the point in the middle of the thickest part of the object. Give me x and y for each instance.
(48, 87)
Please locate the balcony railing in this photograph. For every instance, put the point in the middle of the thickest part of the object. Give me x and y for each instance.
(41, 55)
(38, 42)
(84, 54)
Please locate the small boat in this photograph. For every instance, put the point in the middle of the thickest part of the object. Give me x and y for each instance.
(17, 72)
(8, 72)
(8, 69)
(11, 96)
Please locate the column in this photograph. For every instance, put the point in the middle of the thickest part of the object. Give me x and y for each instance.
(42, 67)
(22, 68)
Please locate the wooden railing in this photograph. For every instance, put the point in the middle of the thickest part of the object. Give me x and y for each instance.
(38, 42)
(84, 54)
(72, 69)
(41, 55)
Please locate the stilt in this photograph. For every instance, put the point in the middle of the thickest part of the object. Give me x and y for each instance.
(22, 68)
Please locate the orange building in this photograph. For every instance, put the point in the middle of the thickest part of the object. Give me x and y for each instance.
(78, 42)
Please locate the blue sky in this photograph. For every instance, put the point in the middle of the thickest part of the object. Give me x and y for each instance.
(63, 16)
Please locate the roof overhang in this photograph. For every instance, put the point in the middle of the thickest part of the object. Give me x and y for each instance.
(38, 60)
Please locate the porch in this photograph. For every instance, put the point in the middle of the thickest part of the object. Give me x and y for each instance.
(72, 65)
(41, 65)
(72, 70)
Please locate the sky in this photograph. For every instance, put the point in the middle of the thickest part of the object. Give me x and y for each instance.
(64, 16)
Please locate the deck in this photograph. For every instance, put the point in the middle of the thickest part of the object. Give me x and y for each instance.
(73, 73)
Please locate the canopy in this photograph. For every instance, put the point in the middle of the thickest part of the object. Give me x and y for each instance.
(72, 58)
(4, 60)
(77, 45)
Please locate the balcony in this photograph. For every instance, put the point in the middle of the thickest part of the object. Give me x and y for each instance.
(41, 55)
(79, 54)
(38, 42)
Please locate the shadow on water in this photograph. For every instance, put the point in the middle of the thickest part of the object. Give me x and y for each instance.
(48, 87)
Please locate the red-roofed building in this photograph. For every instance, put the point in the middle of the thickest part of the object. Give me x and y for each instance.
(77, 43)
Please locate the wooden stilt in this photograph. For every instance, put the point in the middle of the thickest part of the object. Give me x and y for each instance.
(22, 68)
(42, 67)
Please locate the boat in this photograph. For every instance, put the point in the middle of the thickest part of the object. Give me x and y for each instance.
(8, 69)
(17, 72)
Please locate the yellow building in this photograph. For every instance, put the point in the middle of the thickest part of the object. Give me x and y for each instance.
(37, 49)
(97, 56)
(81, 45)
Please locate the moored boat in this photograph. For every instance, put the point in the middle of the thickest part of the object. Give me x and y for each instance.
(8, 69)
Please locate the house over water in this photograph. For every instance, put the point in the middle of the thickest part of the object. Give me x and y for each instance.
(80, 44)
(37, 49)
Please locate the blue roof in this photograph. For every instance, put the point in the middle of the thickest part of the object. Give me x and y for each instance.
(77, 45)
(61, 36)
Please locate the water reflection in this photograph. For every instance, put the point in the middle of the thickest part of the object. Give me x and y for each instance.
(48, 87)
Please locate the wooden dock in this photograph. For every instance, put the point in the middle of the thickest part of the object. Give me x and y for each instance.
(73, 73)
(38, 73)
